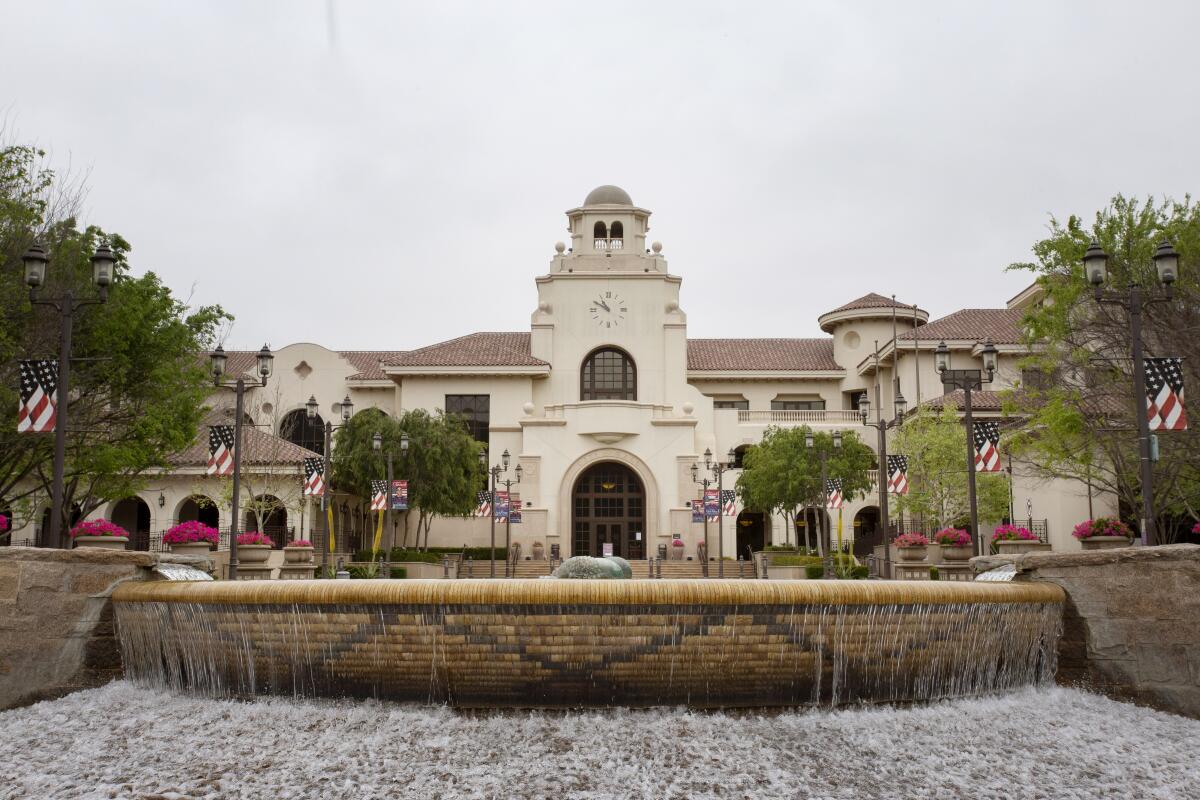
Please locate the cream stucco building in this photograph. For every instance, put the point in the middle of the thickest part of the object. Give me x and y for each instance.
(606, 404)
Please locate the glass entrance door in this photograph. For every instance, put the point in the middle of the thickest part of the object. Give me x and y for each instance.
(608, 507)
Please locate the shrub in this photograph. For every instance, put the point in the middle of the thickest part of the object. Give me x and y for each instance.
(1012, 533)
(192, 532)
(860, 572)
(255, 538)
(1103, 526)
(783, 548)
(934, 575)
(910, 540)
(814, 571)
(98, 527)
(299, 543)
(952, 537)
(399, 572)
(841, 559)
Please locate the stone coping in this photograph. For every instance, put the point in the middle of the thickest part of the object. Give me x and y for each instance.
(98, 556)
(591, 592)
(1026, 562)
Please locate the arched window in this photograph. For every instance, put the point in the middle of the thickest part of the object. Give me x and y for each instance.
(297, 428)
(599, 236)
(608, 374)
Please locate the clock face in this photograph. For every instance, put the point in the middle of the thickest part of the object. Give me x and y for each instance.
(608, 309)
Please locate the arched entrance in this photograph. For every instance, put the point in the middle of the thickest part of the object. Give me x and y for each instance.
(133, 514)
(608, 506)
(199, 508)
(867, 534)
(271, 511)
(751, 533)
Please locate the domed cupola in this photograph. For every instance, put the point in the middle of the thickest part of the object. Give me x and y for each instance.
(608, 233)
(608, 195)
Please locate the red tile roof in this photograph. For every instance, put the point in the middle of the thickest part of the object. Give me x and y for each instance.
(258, 447)
(871, 300)
(487, 349)
(980, 401)
(761, 354)
(1002, 325)
(369, 363)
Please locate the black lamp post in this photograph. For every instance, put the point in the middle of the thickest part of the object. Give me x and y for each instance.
(810, 443)
(1133, 300)
(495, 472)
(719, 470)
(266, 363)
(310, 409)
(377, 444)
(705, 483)
(508, 484)
(66, 304)
(968, 380)
(882, 426)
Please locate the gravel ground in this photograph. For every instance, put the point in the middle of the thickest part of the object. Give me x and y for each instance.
(125, 742)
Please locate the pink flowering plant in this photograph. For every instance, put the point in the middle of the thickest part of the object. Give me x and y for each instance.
(1013, 533)
(191, 532)
(1196, 529)
(952, 537)
(677, 542)
(299, 543)
(910, 540)
(1102, 526)
(3, 522)
(98, 527)
(255, 538)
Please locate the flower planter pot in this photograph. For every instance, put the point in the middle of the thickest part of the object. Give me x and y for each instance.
(912, 553)
(1104, 542)
(192, 548)
(676, 553)
(957, 553)
(105, 542)
(1014, 547)
(539, 551)
(295, 555)
(253, 553)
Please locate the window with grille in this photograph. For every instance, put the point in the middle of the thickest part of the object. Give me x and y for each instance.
(474, 410)
(608, 374)
(797, 405)
(297, 428)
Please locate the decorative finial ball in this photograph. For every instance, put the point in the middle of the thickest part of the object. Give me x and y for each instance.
(544, 306)
(528, 409)
(688, 408)
(559, 247)
(656, 247)
(672, 306)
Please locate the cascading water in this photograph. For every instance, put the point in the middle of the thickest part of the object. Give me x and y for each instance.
(592, 643)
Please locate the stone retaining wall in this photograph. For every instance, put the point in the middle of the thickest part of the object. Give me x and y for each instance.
(56, 618)
(1131, 622)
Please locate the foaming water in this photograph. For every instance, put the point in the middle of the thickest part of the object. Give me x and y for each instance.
(509, 644)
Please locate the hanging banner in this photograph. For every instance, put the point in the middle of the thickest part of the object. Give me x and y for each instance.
(514, 509)
(712, 504)
(500, 507)
(399, 495)
(697, 510)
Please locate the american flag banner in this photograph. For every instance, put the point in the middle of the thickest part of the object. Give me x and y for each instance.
(483, 504)
(314, 476)
(39, 393)
(987, 443)
(378, 495)
(728, 502)
(220, 450)
(897, 474)
(833, 488)
(1164, 394)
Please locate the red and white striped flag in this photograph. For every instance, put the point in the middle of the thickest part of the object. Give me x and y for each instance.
(1164, 394)
(378, 495)
(220, 450)
(898, 474)
(314, 477)
(833, 488)
(483, 504)
(728, 502)
(987, 443)
(39, 392)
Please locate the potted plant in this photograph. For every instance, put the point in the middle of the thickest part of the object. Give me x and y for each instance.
(191, 538)
(100, 533)
(539, 551)
(1102, 533)
(676, 549)
(955, 542)
(911, 546)
(1013, 540)
(297, 551)
(254, 548)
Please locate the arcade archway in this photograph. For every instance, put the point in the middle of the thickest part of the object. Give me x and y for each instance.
(608, 507)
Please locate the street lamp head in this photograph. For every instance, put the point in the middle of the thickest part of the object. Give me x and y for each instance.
(864, 407)
(941, 357)
(347, 408)
(377, 441)
(266, 363)
(504, 459)
(695, 472)
(708, 457)
(808, 438)
(1095, 264)
(837, 440)
(102, 266)
(520, 470)
(483, 458)
(901, 406)
(404, 446)
(1166, 261)
(989, 359)
(732, 456)
(35, 259)
(217, 358)
(310, 407)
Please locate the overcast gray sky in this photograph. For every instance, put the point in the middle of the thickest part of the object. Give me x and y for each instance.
(399, 177)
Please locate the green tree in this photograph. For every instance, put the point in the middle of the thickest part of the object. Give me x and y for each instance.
(1079, 403)
(782, 475)
(442, 466)
(936, 446)
(138, 388)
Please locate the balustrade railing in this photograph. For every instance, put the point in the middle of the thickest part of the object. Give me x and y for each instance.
(807, 416)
